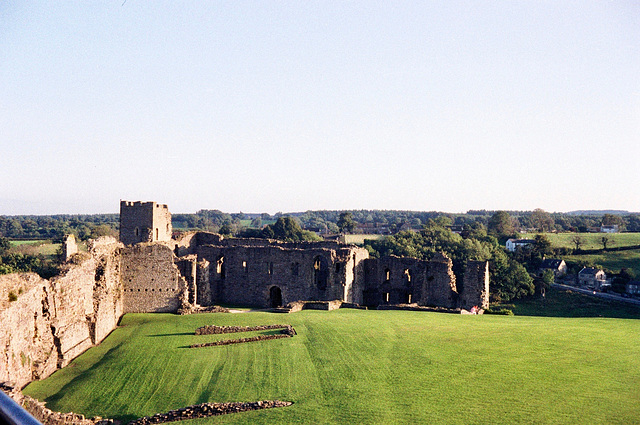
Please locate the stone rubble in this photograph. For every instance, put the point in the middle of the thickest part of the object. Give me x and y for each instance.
(205, 410)
(286, 331)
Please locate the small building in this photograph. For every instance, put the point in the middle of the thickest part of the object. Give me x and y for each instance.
(456, 228)
(632, 287)
(513, 244)
(609, 228)
(559, 267)
(592, 278)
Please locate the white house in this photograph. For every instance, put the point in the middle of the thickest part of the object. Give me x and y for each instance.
(609, 228)
(512, 244)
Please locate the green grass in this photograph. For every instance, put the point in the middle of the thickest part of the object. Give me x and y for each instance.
(560, 303)
(591, 240)
(354, 366)
(30, 242)
(43, 247)
(359, 239)
(610, 260)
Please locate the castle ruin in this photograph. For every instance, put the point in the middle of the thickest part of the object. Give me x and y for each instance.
(53, 321)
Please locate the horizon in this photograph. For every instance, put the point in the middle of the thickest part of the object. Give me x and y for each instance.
(283, 212)
(319, 105)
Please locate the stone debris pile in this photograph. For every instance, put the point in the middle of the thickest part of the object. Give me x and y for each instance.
(208, 409)
(286, 331)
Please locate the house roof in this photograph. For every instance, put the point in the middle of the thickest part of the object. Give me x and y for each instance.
(551, 263)
(589, 271)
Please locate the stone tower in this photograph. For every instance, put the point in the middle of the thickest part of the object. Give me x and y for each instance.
(144, 222)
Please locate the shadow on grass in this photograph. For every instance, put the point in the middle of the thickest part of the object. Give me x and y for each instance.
(559, 303)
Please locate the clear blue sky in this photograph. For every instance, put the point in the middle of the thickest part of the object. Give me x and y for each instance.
(268, 106)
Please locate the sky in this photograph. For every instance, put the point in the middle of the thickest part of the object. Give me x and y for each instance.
(267, 106)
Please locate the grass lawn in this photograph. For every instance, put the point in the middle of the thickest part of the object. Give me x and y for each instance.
(611, 260)
(355, 366)
(36, 247)
(591, 240)
(560, 303)
(359, 239)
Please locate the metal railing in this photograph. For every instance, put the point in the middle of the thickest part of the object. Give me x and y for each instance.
(13, 414)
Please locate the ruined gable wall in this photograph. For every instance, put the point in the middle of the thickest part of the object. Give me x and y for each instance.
(400, 280)
(394, 280)
(355, 274)
(439, 287)
(475, 291)
(151, 281)
(53, 321)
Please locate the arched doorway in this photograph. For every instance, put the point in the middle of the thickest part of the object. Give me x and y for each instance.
(275, 297)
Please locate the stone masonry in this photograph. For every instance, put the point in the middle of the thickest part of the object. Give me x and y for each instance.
(144, 222)
(53, 321)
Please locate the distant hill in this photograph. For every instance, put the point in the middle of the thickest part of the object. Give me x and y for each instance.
(599, 212)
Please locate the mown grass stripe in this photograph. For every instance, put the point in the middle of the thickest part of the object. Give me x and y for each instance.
(350, 366)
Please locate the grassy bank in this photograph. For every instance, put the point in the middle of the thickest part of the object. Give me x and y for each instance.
(591, 240)
(351, 366)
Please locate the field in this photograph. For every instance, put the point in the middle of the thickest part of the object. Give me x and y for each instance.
(592, 240)
(354, 366)
(359, 239)
(35, 247)
(609, 260)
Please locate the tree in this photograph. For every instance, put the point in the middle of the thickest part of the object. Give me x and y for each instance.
(542, 220)
(346, 223)
(509, 279)
(611, 219)
(606, 240)
(4, 245)
(578, 241)
(542, 246)
(288, 229)
(500, 224)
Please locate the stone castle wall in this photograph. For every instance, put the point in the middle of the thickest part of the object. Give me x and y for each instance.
(240, 274)
(151, 281)
(402, 280)
(53, 321)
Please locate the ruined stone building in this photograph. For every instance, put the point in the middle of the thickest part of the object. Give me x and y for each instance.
(269, 273)
(46, 323)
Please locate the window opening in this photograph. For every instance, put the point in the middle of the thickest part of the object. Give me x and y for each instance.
(407, 275)
(320, 272)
